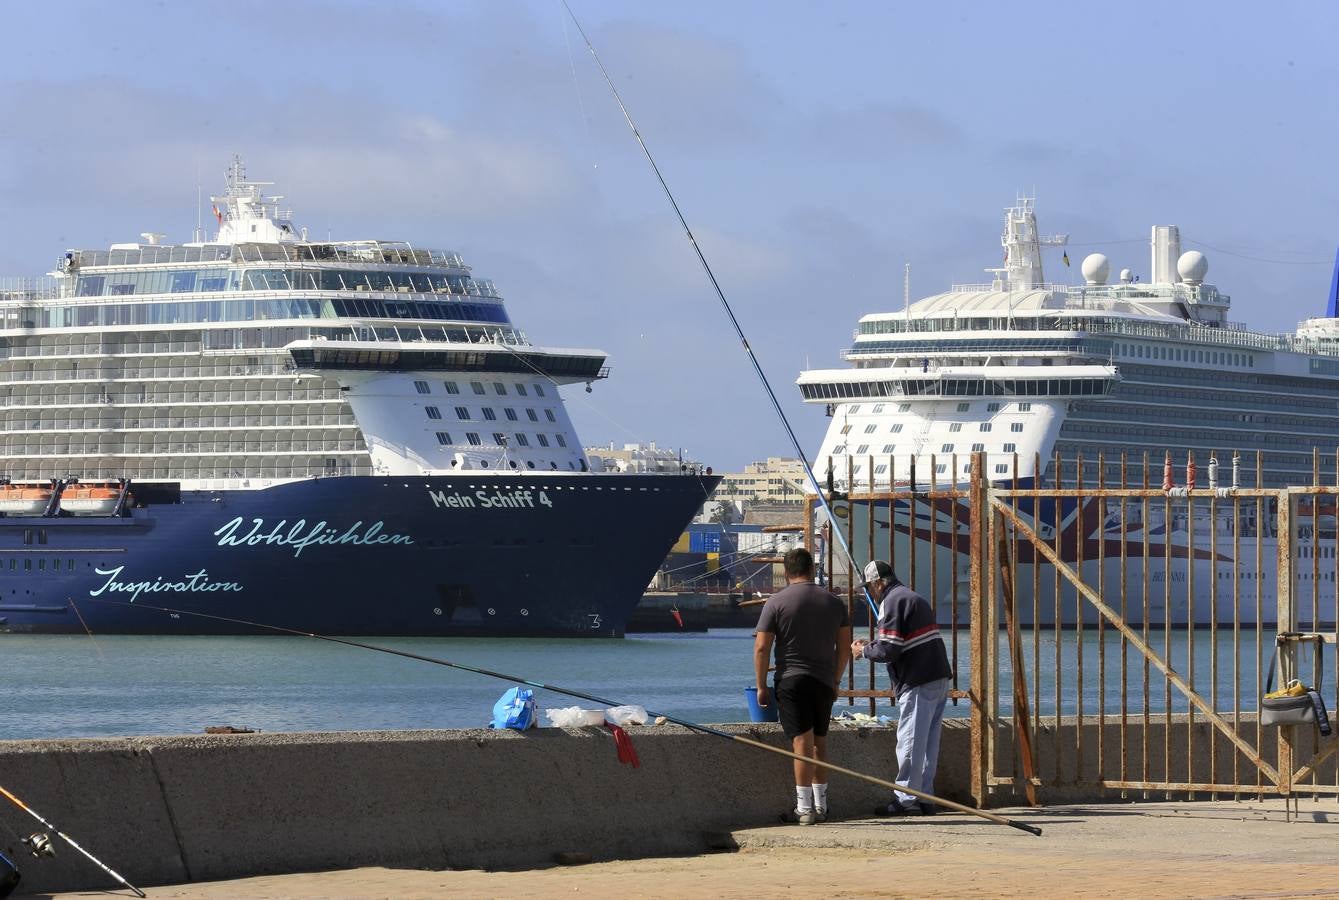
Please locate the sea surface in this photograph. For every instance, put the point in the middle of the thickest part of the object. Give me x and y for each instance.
(77, 686)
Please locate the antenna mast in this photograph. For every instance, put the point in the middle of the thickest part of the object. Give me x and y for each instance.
(906, 290)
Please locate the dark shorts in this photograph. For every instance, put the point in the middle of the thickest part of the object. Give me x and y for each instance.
(804, 704)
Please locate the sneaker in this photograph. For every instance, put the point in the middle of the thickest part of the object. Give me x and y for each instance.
(888, 810)
(822, 815)
(808, 817)
(928, 809)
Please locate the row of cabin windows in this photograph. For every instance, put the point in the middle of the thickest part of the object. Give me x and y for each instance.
(954, 427)
(463, 414)
(40, 565)
(889, 449)
(499, 387)
(522, 440)
(940, 469)
(1178, 354)
(1023, 406)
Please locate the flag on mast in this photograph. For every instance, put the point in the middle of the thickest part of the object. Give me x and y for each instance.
(1066, 257)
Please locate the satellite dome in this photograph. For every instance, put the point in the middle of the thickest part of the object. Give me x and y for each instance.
(1192, 267)
(1095, 268)
(1126, 276)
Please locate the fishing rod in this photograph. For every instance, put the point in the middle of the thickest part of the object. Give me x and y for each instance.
(729, 312)
(41, 848)
(603, 701)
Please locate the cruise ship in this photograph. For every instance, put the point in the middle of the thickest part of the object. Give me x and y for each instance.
(1022, 369)
(348, 437)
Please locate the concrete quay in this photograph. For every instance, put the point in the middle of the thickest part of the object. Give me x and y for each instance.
(178, 810)
(1124, 850)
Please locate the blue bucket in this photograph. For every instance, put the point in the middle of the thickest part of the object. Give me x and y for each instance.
(758, 713)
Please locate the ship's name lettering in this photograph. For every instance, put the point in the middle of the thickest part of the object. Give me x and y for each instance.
(198, 583)
(299, 536)
(486, 499)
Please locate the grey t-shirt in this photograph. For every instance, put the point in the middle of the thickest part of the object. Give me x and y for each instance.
(805, 619)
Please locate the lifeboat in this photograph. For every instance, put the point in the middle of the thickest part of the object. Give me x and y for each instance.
(24, 499)
(90, 499)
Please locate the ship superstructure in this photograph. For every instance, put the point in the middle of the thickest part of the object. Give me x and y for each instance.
(284, 392)
(1018, 365)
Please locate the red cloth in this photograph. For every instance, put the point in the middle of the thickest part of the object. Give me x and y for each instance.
(678, 618)
(626, 752)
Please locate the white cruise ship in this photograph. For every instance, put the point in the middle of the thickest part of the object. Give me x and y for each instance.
(1022, 366)
(343, 436)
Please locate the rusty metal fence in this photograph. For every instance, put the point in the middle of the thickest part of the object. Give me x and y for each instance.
(1114, 622)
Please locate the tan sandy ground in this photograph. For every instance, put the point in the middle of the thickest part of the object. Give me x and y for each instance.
(1151, 850)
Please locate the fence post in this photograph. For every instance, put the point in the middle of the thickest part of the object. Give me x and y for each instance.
(1287, 621)
(979, 624)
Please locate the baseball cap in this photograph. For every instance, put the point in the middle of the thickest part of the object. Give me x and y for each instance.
(876, 569)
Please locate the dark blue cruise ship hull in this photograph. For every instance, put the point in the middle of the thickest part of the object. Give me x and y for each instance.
(451, 555)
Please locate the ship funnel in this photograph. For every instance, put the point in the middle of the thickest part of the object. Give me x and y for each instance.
(1166, 250)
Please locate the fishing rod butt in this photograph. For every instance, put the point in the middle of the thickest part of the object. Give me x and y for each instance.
(1023, 826)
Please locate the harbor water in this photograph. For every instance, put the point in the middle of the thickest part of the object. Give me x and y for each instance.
(75, 686)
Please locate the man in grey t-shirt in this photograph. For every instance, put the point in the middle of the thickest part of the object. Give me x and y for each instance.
(810, 630)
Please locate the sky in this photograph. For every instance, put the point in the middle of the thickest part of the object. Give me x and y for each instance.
(814, 149)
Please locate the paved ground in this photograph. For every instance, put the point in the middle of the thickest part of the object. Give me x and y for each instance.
(1223, 849)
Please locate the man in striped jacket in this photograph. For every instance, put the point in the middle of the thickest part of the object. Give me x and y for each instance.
(907, 639)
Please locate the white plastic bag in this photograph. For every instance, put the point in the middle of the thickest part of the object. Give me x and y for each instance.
(574, 717)
(626, 715)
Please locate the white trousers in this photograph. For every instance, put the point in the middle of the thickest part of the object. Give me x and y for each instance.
(920, 721)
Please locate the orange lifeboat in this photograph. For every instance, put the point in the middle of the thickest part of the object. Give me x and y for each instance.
(90, 499)
(24, 499)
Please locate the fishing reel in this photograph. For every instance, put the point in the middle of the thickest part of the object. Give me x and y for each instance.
(39, 844)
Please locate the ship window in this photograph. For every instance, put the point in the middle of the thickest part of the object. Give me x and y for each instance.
(992, 407)
(548, 414)
(510, 413)
(422, 387)
(451, 387)
(539, 390)
(977, 448)
(888, 448)
(955, 427)
(473, 438)
(443, 437)
(183, 282)
(1024, 407)
(986, 426)
(462, 413)
(562, 441)
(839, 450)
(520, 389)
(853, 408)
(534, 416)
(904, 407)
(963, 407)
(522, 440)
(878, 407)
(543, 440)
(500, 388)
(869, 429)
(941, 468)
(880, 468)
(846, 429)
(489, 414)
(862, 449)
(946, 448)
(1001, 468)
(1016, 427)
(433, 412)
(896, 429)
(27, 565)
(499, 438)
(1010, 448)
(478, 386)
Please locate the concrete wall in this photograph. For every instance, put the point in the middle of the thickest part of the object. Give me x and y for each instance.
(175, 809)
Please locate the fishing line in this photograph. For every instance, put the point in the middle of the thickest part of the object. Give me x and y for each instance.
(582, 695)
(729, 312)
(69, 840)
